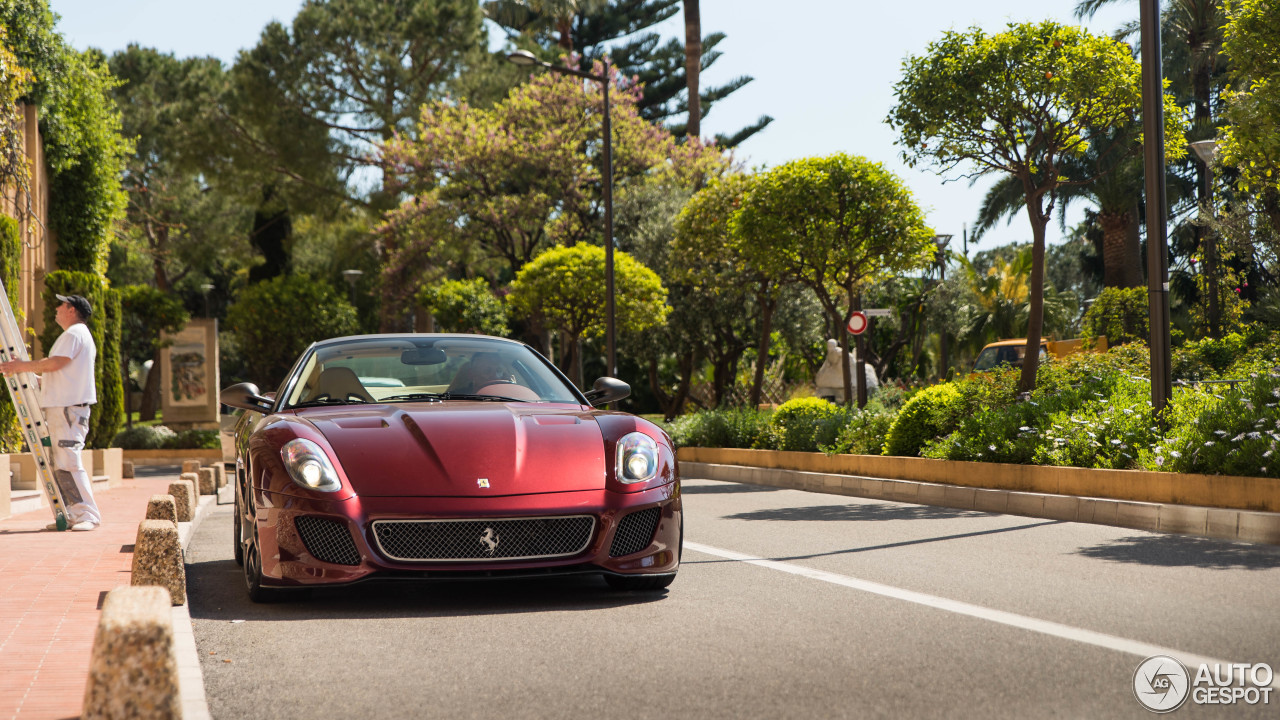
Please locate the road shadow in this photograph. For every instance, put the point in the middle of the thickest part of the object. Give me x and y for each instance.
(216, 592)
(857, 512)
(725, 488)
(1186, 551)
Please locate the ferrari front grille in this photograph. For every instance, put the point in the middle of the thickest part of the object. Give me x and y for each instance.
(635, 532)
(484, 540)
(328, 540)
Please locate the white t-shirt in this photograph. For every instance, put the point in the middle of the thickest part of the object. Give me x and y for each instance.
(73, 384)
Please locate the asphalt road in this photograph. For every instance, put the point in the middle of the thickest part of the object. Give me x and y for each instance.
(788, 605)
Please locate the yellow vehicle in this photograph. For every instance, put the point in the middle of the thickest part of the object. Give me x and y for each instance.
(1011, 352)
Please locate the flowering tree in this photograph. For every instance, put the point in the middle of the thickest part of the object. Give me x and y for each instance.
(509, 181)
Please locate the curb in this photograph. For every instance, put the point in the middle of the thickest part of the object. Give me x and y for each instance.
(1238, 525)
(195, 705)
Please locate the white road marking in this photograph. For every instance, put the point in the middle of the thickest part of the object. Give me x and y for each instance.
(1045, 627)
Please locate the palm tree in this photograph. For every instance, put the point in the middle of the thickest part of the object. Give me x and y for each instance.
(1112, 161)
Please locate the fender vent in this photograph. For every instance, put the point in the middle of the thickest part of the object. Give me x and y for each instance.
(635, 532)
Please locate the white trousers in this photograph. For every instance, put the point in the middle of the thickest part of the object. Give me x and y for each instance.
(67, 429)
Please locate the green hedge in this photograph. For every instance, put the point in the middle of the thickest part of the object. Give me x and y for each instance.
(10, 254)
(1088, 410)
(159, 437)
(104, 325)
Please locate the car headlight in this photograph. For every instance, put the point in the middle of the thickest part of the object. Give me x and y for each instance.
(309, 466)
(637, 458)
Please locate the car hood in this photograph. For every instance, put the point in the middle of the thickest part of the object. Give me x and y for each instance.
(464, 449)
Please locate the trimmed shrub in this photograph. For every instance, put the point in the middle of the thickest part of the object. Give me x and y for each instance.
(805, 424)
(863, 433)
(274, 321)
(10, 252)
(159, 437)
(1119, 314)
(465, 306)
(143, 437)
(930, 414)
(736, 428)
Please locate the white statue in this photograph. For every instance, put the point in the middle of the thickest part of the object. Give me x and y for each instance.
(830, 381)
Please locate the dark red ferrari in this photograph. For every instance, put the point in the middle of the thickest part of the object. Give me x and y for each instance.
(445, 457)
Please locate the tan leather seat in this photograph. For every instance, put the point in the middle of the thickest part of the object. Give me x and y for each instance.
(339, 383)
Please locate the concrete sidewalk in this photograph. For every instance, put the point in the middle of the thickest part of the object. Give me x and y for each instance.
(52, 585)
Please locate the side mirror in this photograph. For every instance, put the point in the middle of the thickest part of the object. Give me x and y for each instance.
(246, 397)
(606, 390)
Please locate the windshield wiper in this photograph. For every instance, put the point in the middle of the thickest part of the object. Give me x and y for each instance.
(435, 397)
(468, 396)
(324, 401)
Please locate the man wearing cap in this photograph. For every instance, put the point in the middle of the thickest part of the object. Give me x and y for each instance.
(67, 392)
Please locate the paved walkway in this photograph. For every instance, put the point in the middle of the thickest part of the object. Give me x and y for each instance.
(51, 589)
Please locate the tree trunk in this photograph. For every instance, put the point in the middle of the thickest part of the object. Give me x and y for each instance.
(1035, 319)
(1121, 261)
(692, 65)
(767, 305)
(151, 393)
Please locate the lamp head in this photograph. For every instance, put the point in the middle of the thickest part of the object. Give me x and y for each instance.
(522, 57)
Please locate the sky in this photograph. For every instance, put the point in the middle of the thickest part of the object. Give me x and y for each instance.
(823, 69)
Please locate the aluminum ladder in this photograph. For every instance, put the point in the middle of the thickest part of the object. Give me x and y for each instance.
(26, 402)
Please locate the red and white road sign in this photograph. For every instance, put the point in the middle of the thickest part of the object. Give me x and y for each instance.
(857, 322)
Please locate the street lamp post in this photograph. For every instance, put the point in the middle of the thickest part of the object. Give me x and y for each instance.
(352, 276)
(524, 57)
(1157, 204)
(205, 288)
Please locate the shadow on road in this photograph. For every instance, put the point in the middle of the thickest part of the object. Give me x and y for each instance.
(724, 489)
(855, 512)
(216, 589)
(1186, 551)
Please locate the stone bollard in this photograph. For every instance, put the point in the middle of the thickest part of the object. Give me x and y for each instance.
(184, 498)
(220, 473)
(133, 674)
(157, 559)
(190, 466)
(162, 507)
(126, 468)
(208, 482)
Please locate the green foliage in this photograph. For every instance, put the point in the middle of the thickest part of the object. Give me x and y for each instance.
(465, 306)
(1250, 141)
(864, 431)
(563, 289)
(734, 428)
(159, 437)
(14, 170)
(805, 424)
(279, 318)
(1121, 315)
(10, 256)
(146, 313)
(933, 412)
(1232, 432)
(104, 326)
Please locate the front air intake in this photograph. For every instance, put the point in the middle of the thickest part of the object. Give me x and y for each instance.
(635, 532)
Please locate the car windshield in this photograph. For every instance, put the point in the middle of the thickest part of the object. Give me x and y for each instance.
(423, 369)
